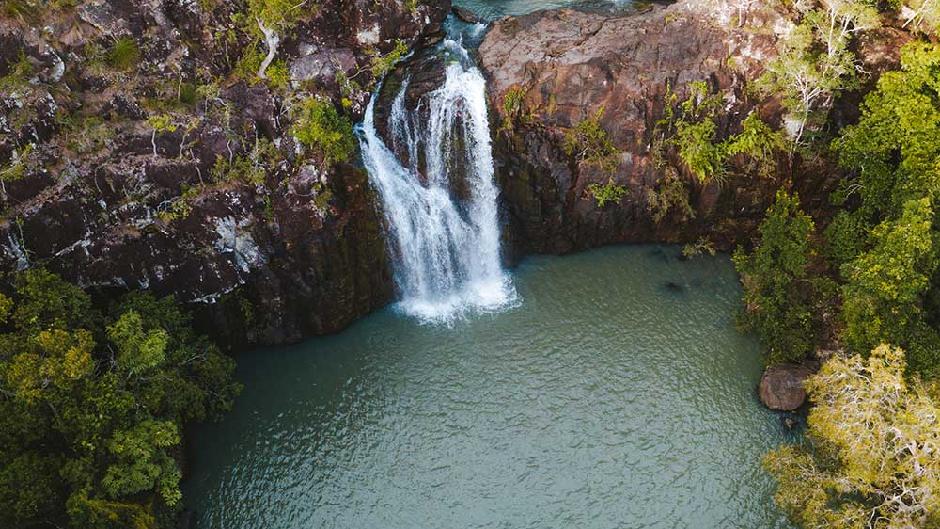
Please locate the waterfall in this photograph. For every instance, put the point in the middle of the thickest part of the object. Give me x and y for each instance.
(445, 248)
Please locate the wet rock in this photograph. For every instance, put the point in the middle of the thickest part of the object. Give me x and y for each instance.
(423, 73)
(781, 386)
(466, 15)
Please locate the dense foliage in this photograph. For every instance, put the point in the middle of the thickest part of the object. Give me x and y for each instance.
(882, 240)
(322, 127)
(871, 459)
(777, 289)
(886, 243)
(872, 456)
(92, 405)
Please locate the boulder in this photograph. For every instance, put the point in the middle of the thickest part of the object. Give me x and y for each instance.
(781, 386)
(466, 15)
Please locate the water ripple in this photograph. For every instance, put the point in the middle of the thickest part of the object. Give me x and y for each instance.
(604, 401)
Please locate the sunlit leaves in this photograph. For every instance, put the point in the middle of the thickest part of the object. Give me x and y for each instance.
(873, 459)
(885, 285)
(141, 462)
(138, 350)
(91, 406)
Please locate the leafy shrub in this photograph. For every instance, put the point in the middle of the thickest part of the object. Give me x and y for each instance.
(252, 168)
(278, 75)
(19, 163)
(513, 106)
(322, 127)
(589, 142)
(700, 247)
(278, 14)
(248, 64)
(382, 64)
(672, 195)
(18, 75)
(698, 150)
(188, 94)
(758, 142)
(606, 193)
(181, 206)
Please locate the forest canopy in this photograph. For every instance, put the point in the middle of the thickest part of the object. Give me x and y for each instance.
(93, 403)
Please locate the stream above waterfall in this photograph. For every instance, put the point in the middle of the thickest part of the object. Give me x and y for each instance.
(619, 394)
(493, 9)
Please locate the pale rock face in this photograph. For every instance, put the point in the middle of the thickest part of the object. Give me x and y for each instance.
(369, 36)
(793, 125)
(322, 65)
(236, 240)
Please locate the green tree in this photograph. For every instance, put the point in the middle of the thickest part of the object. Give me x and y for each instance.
(91, 405)
(885, 285)
(894, 150)
(871, 457)
(887, 241)
(777, 293)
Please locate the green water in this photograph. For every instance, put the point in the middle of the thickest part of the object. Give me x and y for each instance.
(494, 9)
(616, 395)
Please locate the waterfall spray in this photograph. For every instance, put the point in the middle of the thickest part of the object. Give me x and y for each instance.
(446, 249)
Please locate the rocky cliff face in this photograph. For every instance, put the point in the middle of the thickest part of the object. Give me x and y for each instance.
(631, 70)
(570, 65)
(140, 149)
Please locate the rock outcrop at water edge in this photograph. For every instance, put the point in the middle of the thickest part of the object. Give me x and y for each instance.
(781, 386)
(550, 71)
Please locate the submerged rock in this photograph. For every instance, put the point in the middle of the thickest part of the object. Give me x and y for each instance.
(781, 386)
(466, 15)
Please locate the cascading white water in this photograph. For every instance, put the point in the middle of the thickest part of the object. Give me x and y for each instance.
(446, 249)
